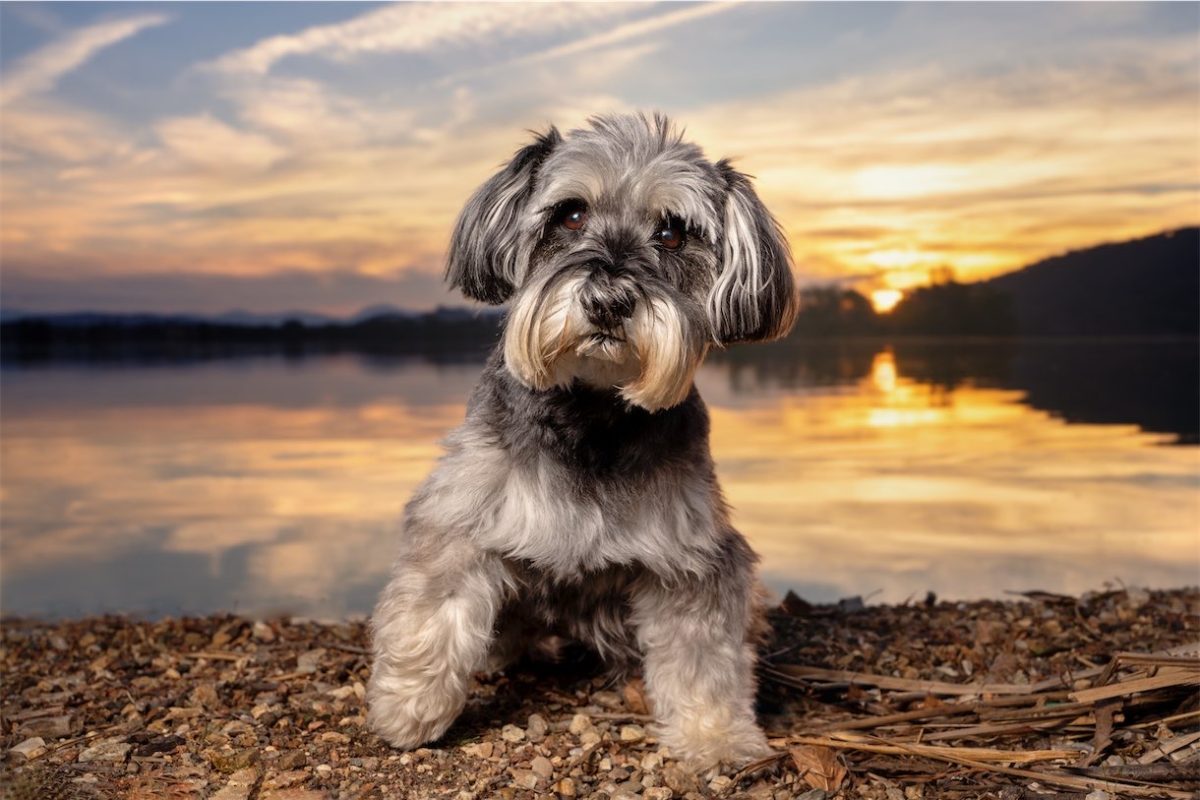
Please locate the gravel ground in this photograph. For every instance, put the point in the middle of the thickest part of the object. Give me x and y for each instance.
(229, 708)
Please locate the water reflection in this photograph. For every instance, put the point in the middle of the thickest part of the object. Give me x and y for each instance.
(854, 467)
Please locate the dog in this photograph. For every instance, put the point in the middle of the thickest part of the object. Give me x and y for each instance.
(579, 498)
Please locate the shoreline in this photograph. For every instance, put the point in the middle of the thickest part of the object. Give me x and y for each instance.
(927, 700)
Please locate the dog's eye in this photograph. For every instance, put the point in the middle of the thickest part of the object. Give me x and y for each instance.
(670, 233)
(572, 215)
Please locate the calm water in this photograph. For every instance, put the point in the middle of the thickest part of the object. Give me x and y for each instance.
(854, 468)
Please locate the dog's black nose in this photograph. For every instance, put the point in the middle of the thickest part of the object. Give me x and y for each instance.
(607, 306)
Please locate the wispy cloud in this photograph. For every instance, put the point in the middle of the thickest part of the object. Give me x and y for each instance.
(631, 30)
(417, 28)
(41, 70)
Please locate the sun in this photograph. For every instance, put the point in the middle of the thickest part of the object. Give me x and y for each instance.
(885, 300)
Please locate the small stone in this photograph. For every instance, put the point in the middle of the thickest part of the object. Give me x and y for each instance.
(607, 699)
(657, 793)
(680, 780)
(511, 733)
(632, 733)
(333, 737)
(324, 770)
(482, 750)
(263, 632)
(589, 738)
(565, 787)
(291, 760)
(293, 793)
(205, 696)
(58, 643)
(341, 692)
(542, 766)
(239, 785)
(580, 723)
(309, 661)
(651, 762)
(29, 749)
(524, 779)
(230, 761)
(107, 750)
(46, 727)
(1098, 794)
(536, 728)
(720, 783)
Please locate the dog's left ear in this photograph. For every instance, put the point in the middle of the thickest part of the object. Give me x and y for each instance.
(485, 249)
(754, 296)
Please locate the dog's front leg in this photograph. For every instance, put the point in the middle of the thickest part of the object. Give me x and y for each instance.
(699, 665)
(431, 628)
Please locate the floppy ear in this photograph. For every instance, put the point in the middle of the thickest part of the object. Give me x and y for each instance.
(485, 249)
(754, 296)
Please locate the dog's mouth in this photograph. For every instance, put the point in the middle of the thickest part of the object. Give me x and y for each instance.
(607, 345)
(602, 337)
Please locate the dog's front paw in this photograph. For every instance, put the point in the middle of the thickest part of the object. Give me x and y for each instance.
(406, 717)
(708, 743)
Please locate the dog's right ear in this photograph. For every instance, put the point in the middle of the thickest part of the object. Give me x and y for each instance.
(485, 250)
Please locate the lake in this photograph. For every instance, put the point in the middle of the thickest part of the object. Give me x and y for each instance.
(268, 484)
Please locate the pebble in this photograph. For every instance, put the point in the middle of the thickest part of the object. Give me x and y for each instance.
(324, 770)
(239, 785)
(632, 733)
(542, 766)
(46, 727)
(30, 748)
(511, 733)
(720, 783)
(580, 723)
(309, 661)
(524, 779)
(263, 632)
(607, 699)
(565, 787)
(680, 780)
(536, 728)
(658, 793)
(589, 737)
(108, 750)
(651, 762)
(482, 749)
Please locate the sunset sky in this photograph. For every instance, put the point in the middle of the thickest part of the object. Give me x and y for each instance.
(185, 157)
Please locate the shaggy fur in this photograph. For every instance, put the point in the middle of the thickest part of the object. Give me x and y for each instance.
(579, 499)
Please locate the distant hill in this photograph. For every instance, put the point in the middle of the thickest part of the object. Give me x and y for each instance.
(1142, 287)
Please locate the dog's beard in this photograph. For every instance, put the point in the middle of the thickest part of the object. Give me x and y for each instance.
(649, 358)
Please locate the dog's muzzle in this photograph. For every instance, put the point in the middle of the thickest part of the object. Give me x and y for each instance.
(606, 302)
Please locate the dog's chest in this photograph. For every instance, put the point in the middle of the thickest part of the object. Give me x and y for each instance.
(541, 511)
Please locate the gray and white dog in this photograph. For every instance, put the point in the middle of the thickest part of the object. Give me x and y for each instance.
(579, 499)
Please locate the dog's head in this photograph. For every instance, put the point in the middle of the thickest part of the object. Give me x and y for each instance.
(627, 254)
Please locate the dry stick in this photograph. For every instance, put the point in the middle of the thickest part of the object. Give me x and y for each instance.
(1122, 789)
(797, 672)
(984, 754)
(1167, 678)
(891, 719)
(1044, 723)
(1165, 720)
(947, 754)
(216, 655)
(345, 648)
(1163, 749)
